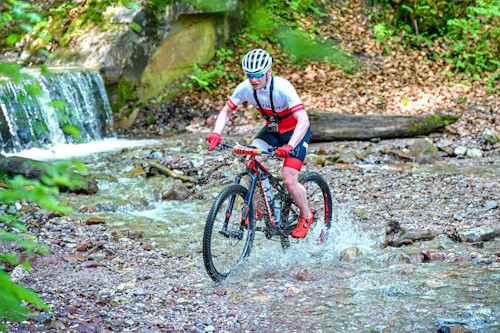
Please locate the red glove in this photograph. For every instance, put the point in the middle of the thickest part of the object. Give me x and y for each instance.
(284, 151)
(214, 140)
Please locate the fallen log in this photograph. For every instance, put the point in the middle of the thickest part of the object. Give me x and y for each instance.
(170, 173)
(32, 169)
(327, 126)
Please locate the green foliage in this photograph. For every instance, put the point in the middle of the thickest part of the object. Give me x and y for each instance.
(19, 17)
(475, 46)
(208, 79)
(381, 32)
(125, 92)
(15, 299)
(12, 299)
(471, 29)
(151, 120)
(278, 22)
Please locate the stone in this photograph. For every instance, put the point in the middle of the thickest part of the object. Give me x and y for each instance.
(350, 253)
(490, 136)
(491, 205)
(424, 151)
(474, 153)
(178, 191)
(479, 234)
(460, 151)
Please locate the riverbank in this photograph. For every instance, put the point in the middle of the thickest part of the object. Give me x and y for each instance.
(107, 274)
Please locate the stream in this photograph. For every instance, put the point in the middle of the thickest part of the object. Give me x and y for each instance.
(379, 290)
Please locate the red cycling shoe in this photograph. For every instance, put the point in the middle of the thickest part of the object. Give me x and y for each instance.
(302, 227)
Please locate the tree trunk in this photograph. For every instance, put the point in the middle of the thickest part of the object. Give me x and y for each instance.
(33, 169)
(335, 127)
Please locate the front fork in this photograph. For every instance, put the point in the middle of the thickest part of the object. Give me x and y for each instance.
(246, 213)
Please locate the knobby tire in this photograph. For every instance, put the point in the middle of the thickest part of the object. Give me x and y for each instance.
(217, 246)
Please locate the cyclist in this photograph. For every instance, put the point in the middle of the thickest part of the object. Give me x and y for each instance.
(287, 124)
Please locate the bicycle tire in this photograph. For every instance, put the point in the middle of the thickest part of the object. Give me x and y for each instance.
(219, 248)
(319, 199)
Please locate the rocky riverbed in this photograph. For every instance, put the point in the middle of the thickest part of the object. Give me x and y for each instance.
(415, 246)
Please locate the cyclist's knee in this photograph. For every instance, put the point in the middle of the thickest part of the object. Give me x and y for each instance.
(290, 177)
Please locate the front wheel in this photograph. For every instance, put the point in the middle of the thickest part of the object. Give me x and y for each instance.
(319, 199)
(227, 240)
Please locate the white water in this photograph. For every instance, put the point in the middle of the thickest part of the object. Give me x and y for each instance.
(67, 151)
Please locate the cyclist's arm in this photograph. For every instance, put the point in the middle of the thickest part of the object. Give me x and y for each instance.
(301, 128)
(223, 118)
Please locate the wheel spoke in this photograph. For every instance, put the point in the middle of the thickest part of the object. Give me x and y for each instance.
(226, 242)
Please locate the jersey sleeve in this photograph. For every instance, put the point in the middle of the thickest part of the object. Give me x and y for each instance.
(237, 97)
(292, 98)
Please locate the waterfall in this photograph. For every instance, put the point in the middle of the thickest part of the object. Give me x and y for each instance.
(44, 111)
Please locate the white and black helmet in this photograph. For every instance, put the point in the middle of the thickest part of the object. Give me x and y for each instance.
(256, 61)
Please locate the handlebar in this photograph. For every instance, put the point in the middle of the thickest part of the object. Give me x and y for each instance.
(250, 151)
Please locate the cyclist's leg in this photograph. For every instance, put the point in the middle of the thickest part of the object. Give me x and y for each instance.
(291, 170)
(265, 140)
(296, 190)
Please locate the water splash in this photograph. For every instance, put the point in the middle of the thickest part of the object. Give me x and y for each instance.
(268, 257)
(70, 150)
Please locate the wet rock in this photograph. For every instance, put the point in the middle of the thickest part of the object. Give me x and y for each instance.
(408, 270)
(350, 253)
(304, 275)
(106, 206)
(138, 171)
(397, 236)
(95, 221)
(88, 209)
(479, 234)
(134, 234)
(220, 290)
(178, 191)
(453, 329)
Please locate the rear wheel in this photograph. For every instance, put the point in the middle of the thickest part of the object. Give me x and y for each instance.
(226, 240)
(319, 199)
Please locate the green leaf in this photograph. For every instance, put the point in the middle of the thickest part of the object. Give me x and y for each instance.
(45, 53)
(34, 18)
(18, 12)
(58, 104)
(9, 257)
(44, 69)
(5, 17)
(12, 39)
(26, 27)
(136, 27)
(71, 130)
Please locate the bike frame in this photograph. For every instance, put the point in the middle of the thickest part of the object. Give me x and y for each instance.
(255, 170)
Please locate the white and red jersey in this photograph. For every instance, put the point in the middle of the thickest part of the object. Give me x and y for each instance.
(285, 99)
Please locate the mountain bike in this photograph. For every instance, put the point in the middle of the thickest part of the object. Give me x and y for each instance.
(233, 219)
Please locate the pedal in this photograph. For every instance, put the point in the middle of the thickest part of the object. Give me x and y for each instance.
(288, 230)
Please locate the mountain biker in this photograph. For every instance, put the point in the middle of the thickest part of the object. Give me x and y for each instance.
(287, 124)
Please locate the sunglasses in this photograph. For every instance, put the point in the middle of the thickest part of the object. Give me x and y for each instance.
(257, 76)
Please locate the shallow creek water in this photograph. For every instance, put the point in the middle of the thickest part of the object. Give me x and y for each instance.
(369, 293)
